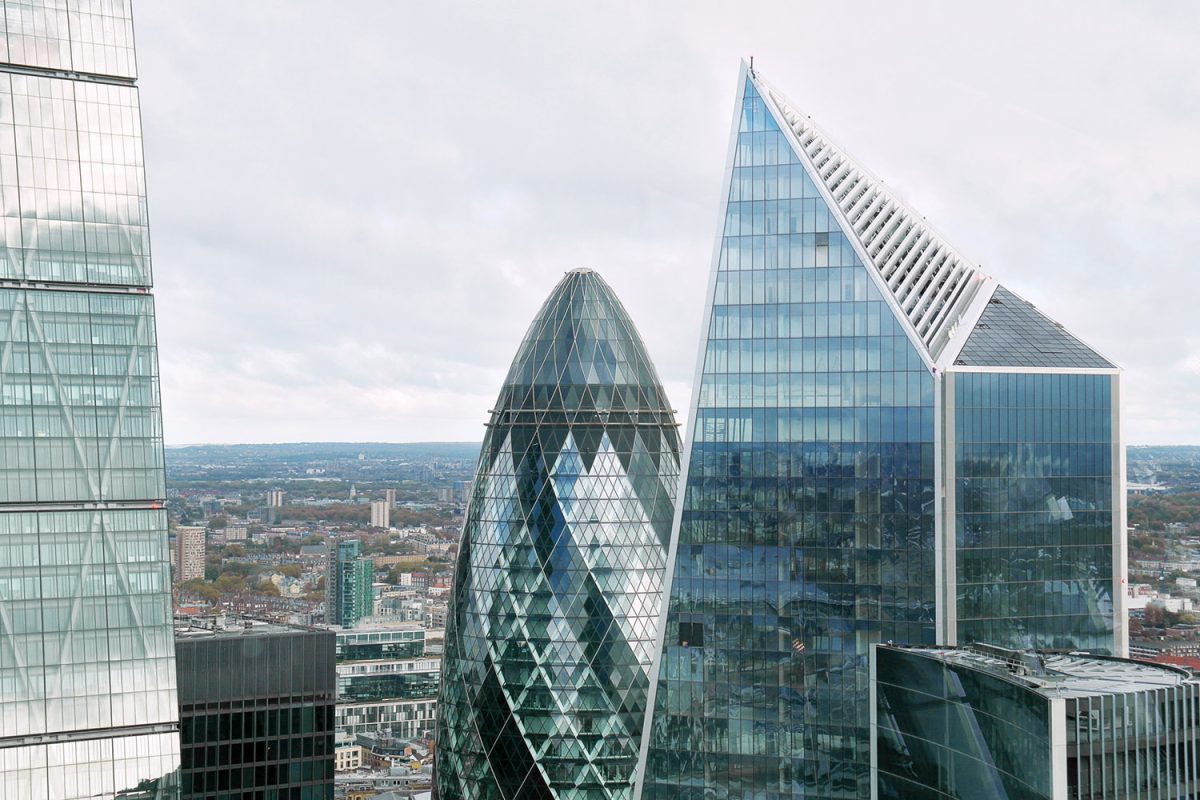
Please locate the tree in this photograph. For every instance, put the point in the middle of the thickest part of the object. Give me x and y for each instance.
(218, 524)
(266, 588)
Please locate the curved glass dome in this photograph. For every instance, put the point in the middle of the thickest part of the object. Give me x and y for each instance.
(559, 576)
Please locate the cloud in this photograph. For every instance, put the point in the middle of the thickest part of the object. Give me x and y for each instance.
(355, 215)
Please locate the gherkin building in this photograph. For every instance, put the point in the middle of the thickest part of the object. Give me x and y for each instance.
(559, 577)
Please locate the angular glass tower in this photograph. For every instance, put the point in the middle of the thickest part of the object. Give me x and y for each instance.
(87, 673)
(558, 584)
(885, 446)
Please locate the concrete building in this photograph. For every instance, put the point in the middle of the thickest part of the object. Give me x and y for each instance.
(190, 550)
(381, 514)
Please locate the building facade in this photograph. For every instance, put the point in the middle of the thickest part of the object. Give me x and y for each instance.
(348, 584)
(190, 551)
(256, 707)
(381, 514)
(886, 445)
(387, 682)
(986, 723)
(559, 573)
(87, 671)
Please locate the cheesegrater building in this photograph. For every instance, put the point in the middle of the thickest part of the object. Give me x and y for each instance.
(885, 445)
(558, 583)
(87, 672)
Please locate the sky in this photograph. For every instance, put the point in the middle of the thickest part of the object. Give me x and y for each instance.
(358, 208)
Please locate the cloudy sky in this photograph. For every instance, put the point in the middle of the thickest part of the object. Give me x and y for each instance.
(358, 207)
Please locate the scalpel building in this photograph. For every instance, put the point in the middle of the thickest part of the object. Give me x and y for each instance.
(886, 445)
(87, 673)
(558, 584)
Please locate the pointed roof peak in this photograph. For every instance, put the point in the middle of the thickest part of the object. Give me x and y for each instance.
(936, 291)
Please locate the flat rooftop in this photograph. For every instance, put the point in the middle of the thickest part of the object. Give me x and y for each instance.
(231, 627)
(1059, 674)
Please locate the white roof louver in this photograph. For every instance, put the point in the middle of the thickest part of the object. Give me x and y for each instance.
(933, 285)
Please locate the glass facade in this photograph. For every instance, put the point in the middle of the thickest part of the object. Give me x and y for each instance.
(558, 583)
(982, 723)
(257, 714)
(953, 731)
(85, 627)
(350, 594)
(386, 682)
(1033, 483)
(807, 525)
(364, 645)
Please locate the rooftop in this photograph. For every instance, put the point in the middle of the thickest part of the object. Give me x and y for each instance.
(1059, 674)
(229, 626)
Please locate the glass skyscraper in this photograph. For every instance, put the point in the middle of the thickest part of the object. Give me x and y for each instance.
(349, 595)
(886, 445)
(87, 673)
(558, 584)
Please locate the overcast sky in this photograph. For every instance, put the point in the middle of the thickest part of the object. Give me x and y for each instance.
(358, 207)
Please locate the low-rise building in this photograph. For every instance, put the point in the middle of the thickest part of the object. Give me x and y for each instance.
(989, 723)
(387, 681)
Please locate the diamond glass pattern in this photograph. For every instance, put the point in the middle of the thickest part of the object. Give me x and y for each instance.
(559, 576)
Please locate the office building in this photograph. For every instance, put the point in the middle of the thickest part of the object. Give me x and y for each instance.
(348, 582)
(87, 670)
(190, 551)
(256, 710)
(557, 587)
(381, 514)
(387, 681)
(987, 723)
(886, 445)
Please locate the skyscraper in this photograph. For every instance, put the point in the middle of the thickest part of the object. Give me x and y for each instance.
(559, 575)
(886, 446)
(348, 584)
(87, 672)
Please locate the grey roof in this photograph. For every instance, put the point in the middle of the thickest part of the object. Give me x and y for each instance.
(1062, 674)
(1013, 333)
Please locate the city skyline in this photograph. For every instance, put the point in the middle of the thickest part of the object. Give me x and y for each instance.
(1034, 176)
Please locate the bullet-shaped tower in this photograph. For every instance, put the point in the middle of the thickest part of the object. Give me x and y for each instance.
(559, 577)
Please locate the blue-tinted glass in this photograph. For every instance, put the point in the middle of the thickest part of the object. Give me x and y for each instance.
(950, 732)
(807, 527)
(1034, 518)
